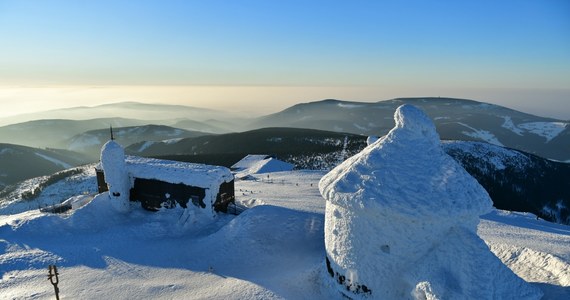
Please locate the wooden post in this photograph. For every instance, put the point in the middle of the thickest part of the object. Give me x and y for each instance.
(54, 274)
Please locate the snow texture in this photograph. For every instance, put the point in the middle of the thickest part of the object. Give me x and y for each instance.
(260, 164)
(270, 252)
(145, 146)
(548, 130)
(198, 175)
(482, 135)
(116, 176)
(371, 140)
(401, 220)
(270, 165)
(497, 156)
(508, 124)
(248, 161)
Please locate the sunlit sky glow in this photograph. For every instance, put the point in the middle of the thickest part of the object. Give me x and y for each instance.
(262, 56)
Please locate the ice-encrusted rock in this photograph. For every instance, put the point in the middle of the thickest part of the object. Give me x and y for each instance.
(401, 220)
(371, 139)
(116, 175)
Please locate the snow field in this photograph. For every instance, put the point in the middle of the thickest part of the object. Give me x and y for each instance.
(271, 251)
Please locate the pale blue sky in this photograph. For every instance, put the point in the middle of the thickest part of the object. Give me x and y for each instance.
(405, 48)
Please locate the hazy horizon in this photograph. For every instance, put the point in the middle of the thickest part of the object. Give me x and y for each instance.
(253, 101)
(257, 57)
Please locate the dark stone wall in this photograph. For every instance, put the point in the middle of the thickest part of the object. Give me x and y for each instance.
(154, 194)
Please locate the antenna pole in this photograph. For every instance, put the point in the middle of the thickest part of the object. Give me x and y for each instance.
(111, 128)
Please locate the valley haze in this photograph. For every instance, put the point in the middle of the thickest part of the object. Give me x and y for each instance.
(253, 101)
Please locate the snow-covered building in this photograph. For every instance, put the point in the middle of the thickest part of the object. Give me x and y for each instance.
(157, 183)
(401, 222)
(259, 164)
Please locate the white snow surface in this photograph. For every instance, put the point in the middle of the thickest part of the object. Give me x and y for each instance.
(145, 146)
(259, 164)
(371, 140)
(482, 135)
(401, 220)
(350, 105)
(548, 130)
(274, 251)
(407, 163)
(249, 160)
(508, 124)
(495, 155)
(271, 165)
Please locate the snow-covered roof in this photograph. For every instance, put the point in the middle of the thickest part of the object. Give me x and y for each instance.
(249, 160)
(198, 175)
(406, 172)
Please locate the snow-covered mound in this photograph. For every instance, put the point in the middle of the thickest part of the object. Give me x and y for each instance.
(401, 221)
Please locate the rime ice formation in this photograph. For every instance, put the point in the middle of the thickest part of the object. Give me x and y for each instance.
(401, 219)
(116, 176)
(371, 139)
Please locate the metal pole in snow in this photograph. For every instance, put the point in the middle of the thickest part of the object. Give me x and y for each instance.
(54, 274)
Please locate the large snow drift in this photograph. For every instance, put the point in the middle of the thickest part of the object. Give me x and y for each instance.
(401, 222)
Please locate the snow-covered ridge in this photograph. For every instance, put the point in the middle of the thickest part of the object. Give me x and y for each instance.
(481, 134)
(483, 152)
(548, 130)
(145, 146)
(349, 105)
(81, 183)
(508, 124)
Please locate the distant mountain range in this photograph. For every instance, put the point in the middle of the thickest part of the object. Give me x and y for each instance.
(325, 148)
(455, 119)
(131, 110)
(515, 180)
(90, 142)
(316, 135)
(18, 163)
(56, 133)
